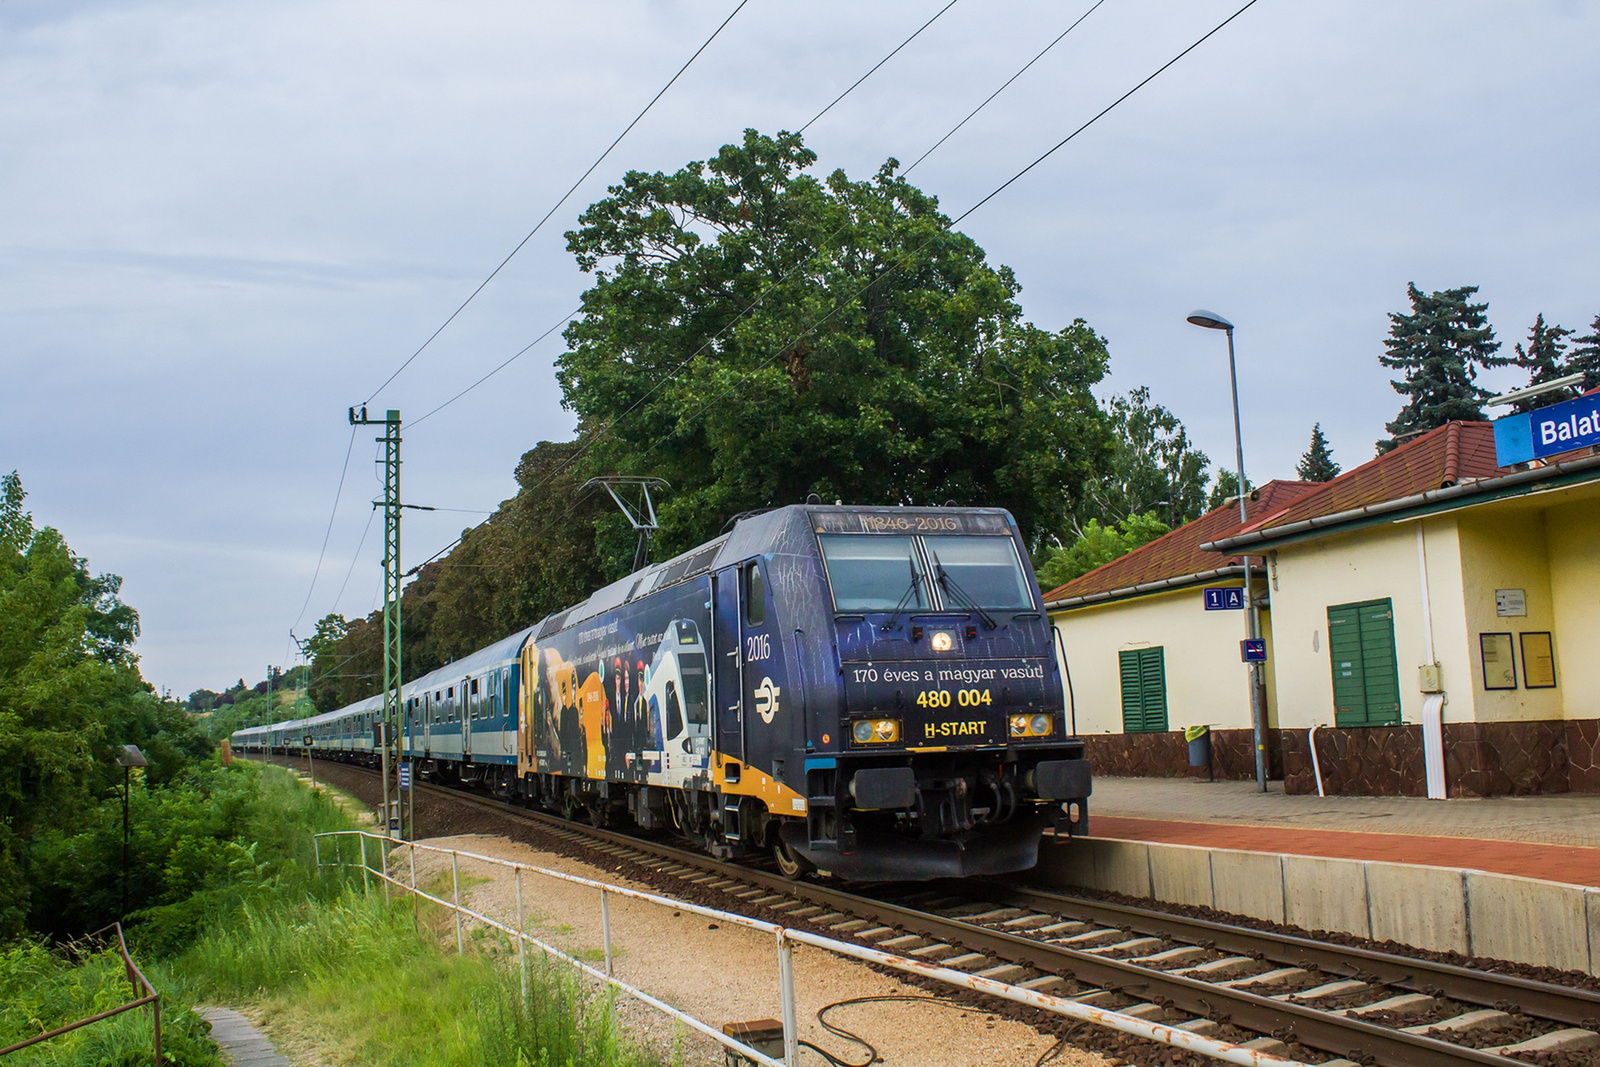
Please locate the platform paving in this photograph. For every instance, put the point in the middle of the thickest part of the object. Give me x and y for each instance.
(242, 1044)
(1551, 837)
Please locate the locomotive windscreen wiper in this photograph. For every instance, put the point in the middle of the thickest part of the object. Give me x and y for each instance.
(958, 594)
(905, 599)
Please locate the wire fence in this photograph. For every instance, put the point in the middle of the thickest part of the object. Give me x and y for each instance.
(785, 939)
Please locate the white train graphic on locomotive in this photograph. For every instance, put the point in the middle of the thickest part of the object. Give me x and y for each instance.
(871, 692)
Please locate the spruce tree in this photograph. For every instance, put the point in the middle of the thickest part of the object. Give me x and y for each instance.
(1545, 360)
(1585, 357)
(1440, 347)
(1317, 464)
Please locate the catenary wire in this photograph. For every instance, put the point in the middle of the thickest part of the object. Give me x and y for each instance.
(557, 205)
(329, 531)
(809, 122)
(875, 66)
(354, 558)
(1003, 87)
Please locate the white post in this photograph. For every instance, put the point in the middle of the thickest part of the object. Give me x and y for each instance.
(605, 928)
(416, 902)
(791, 1039)
(522, 942)
(455, 879)
(366, 882)
(383, 854)
(316, 844)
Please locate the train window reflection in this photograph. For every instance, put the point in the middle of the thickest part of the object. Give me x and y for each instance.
(674, 712)
(692, 666)
(871, 572)
(980, 570)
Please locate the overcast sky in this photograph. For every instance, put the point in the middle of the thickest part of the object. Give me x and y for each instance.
(222, 224)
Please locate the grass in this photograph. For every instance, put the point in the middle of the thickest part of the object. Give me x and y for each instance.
(375, 989)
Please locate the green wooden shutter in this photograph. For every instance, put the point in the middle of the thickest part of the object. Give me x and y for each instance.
(1144, 690)
(1380, 663)
(1366, 672)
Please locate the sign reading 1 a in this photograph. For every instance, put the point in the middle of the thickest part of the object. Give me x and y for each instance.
(1225, 598)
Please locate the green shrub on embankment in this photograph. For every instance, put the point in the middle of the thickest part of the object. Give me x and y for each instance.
(360, 975)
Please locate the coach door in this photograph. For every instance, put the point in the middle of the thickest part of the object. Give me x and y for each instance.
(728, 686)
(469, 711)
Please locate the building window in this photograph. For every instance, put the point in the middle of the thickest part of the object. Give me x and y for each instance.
(1366, 672)
(1144, 690)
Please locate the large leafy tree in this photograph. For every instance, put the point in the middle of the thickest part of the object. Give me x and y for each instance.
(756, 333)
(1317, 464)
(1153, 468)
(1544, 357)
(1097, 546)
(1440, 347)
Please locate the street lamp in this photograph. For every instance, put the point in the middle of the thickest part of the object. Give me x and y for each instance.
(128, 759)
(1210, 320)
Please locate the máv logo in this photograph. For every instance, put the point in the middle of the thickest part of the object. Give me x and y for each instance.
(766, 700)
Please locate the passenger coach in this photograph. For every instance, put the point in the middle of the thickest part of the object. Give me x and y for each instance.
(870, 692)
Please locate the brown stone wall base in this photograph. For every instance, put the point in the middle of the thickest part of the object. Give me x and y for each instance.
(1480, 759)
(1166, 755)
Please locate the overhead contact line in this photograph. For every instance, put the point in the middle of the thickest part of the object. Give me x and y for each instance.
(557, 205)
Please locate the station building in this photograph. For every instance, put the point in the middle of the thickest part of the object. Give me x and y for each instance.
(1426, 608)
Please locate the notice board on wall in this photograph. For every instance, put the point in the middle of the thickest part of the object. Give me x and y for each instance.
(1499, 662)
(1538, 660)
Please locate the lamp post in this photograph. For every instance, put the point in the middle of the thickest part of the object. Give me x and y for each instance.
(129, 758)
(1210, 320)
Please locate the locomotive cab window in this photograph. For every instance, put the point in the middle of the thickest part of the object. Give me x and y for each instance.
(692, 665)
(982, 570)
(755, 595)
(874, 572)
(674, 712)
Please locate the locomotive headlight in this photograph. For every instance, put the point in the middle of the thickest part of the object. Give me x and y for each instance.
(1040, 725)
(1019, 726)
(875, 731)
(942, 641)
(1030, 726)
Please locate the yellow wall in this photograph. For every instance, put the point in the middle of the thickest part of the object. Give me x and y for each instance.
(1206, 683)
(1369, 564)
(1571, 533)
(1505, 547)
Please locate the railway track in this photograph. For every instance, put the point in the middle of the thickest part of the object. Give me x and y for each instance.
(1356, 1005)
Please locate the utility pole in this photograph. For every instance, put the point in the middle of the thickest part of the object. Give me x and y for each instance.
(311, 709)
(269, 708)
(391, 601)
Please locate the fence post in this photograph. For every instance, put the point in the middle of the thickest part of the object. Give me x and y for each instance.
(155, 1016)
(455, 880)
(791, 1040)
(366, 877)
(383, 854)
(416, 902)
(605, 927)
(522, 940)
(316, 846)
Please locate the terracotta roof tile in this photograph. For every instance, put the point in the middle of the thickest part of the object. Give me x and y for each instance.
(1178, 554)
(1453, 453)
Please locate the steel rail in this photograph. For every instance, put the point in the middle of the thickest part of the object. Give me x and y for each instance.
(1567, 1004)
(1342, 1035)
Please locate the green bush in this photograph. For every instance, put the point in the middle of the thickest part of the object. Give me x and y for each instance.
(41, 989)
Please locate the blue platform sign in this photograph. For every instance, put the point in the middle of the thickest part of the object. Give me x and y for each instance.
(405, 776)
(1225, 598)
(1253, 650)
(1549, 431)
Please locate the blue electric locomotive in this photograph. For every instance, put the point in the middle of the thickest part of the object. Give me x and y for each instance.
(870, 692)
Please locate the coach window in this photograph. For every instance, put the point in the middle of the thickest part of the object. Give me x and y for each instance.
(873, 572)
(755, 595)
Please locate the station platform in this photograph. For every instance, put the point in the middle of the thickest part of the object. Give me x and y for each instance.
(1553, 837)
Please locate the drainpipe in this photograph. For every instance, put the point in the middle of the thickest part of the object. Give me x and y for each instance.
(1433, 702)
(1316, 766)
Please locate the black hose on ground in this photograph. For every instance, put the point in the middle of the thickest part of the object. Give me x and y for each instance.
(872, 1053)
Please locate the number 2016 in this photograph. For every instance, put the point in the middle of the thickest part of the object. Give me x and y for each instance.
(757, 647)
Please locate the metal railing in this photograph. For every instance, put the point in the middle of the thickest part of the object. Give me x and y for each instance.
(143, 992)
(785, 938)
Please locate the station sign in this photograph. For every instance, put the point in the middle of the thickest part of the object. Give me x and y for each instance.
(1224, 598)
(1548, 431)
(1253, 650)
